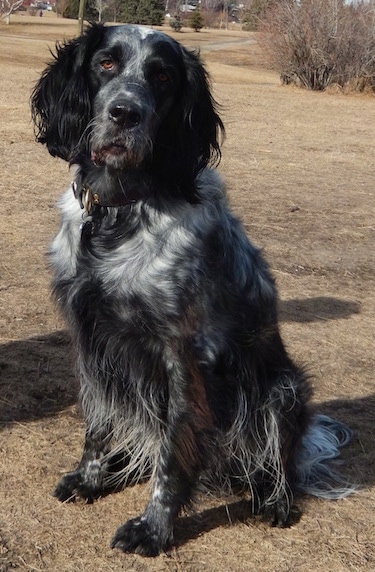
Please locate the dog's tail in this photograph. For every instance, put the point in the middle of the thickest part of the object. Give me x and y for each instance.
(320, 445)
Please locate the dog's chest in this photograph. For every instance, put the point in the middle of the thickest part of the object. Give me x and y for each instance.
(154, 263)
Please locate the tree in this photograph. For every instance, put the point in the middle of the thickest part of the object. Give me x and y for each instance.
(60, 7)
(99, 6)
(114, 9)
(81, 15)
(72, 8)
(253, 14)
(196, 21)
(150, 12)
(146, 12)
(7, 7)
(176, 23)
(157, 12)
(128, 11)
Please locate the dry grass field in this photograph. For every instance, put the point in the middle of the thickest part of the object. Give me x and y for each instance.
(300, 172)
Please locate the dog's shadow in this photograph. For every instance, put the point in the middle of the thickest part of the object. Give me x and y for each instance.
(187, 528)
(36, 378)
(317, 309)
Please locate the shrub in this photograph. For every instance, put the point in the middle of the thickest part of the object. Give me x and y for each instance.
(315, 43)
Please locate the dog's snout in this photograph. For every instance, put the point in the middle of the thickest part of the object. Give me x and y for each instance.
(124, 114)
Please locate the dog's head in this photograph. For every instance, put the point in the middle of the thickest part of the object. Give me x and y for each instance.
(128, 98)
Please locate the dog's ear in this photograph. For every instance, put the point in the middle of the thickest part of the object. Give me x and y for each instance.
(192, 140)
(203, 126)
(60, 102)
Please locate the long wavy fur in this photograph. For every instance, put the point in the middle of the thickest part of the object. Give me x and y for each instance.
(173, 312)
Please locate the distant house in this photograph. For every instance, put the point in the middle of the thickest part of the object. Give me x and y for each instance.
(188, 7)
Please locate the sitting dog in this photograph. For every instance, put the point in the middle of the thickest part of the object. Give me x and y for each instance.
(172, 311)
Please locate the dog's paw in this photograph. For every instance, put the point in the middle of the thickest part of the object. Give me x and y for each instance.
(72, 486)
(138, 536)
(277, 514)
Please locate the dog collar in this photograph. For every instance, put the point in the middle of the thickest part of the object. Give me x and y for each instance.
(88, 200)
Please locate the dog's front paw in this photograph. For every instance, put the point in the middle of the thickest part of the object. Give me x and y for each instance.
(139, 536)
(277, 514)
(73, 485)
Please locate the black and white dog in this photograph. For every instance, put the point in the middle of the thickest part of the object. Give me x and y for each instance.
(173, 312)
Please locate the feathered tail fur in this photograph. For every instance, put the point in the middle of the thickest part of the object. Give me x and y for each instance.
(316, 474)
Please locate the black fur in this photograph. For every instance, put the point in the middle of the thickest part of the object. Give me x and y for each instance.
(173, 312)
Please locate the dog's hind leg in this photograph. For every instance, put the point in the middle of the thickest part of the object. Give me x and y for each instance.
(265, 448)
(87, 480)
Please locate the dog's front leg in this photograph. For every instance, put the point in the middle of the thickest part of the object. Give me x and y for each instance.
(86, 481)
(183, 455)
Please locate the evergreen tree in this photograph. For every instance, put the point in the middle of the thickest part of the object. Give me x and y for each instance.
(146, 12)
(128, 11)
(150, 12)
(157, 13)
(71, 10)
(196, 21)
(176, 23)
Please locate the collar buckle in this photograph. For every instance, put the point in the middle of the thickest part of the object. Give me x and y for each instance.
(86, 198)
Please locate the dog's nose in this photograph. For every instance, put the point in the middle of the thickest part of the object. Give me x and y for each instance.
(124, 115)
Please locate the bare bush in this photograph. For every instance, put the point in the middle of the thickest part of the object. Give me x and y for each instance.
(315, 43)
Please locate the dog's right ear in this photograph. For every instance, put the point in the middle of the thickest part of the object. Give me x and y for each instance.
(60, 102)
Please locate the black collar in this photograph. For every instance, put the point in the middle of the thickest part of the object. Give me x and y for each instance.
(88, 200)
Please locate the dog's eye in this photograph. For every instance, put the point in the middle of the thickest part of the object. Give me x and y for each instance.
(107, 65)
(163, 77)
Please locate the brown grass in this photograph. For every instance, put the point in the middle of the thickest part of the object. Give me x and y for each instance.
(300, 173)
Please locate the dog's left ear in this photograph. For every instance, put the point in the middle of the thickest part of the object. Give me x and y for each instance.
(203, 126)
(192, 141)
(60, 102)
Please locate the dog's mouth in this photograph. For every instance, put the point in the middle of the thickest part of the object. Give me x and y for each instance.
(100, 156)
(119, 156)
